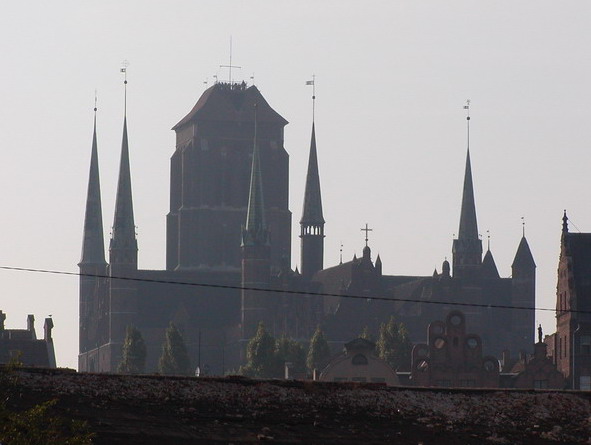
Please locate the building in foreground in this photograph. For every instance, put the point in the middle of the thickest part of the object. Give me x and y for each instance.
(229, 247)
(22, 345)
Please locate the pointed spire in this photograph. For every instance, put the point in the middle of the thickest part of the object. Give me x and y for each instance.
(468, 224)
(312, 213)
(523, 257)
(489, 267)
(123, 247)
(564, 223)
(93, 245)
(255, 230)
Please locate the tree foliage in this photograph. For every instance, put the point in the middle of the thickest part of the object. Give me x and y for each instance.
(134, 353)
(260, 355)
(394, 345)
(38, 426)
(319, 352)
(289, 350)
(174, 359)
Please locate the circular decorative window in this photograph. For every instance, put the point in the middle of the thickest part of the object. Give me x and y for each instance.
(472, 343)
(455, 320)
(439, 343)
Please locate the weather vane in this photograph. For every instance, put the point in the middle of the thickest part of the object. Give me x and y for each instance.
(229, 65)
(467, 108)
(123, 69)
(313, 83)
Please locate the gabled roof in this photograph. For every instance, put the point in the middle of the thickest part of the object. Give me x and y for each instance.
(231, 102)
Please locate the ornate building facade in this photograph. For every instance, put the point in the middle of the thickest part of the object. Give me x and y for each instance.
(229, 246)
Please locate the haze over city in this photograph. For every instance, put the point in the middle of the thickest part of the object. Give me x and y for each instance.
(391, 82)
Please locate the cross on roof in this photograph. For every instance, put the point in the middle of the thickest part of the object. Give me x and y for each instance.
(366, 230)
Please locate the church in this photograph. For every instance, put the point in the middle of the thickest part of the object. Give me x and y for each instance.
(228, 250)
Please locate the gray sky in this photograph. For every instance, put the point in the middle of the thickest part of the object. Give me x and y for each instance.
(392, 78)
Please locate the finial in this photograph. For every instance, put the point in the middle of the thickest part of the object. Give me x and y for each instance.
(95, 99)
(467, 108)
(313, 83)
(488, 239)
(564, 222)
(124, 66)
(366, 230)
(205, 82)
(539, 333)
(229, 65)
(523, 226)
(252, 78)
(341, 253)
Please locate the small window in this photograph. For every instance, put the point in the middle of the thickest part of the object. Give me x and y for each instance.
(472, 343)
(456, 320)
(490, 366)
(467, 383)
(444, 383)
(359, 379)
(359, 359)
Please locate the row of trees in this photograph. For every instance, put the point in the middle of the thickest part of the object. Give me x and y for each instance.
(174, 359)
(265, 355)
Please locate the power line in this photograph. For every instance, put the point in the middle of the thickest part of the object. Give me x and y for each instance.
(294, 292)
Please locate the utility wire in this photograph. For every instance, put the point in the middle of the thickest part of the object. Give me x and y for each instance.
(294, 292)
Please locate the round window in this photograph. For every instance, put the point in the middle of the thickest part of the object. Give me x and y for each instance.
(455, 320)
(489, 366)
(472, 343)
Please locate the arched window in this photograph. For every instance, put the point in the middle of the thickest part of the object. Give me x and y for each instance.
(359, 359)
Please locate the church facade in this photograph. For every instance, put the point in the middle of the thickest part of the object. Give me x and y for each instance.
(229, 247)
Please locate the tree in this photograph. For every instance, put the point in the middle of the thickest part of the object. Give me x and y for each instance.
(319, 352)
(289, 350)
(134, 353)
(394, 345)
(260, 355)
(174, 359)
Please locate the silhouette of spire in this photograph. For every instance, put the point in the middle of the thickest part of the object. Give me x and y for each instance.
(564, 223)
(93, 245)
(489, 267)
(468, 225)
(123, 246)
(255, 230)
(312, 213)
(523, 257)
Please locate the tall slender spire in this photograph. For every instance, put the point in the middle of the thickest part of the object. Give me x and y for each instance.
(255, 230)
(93, 245)
(467, 248)
(468, 225)
(123, 246)
(312, 212)
(312, 221)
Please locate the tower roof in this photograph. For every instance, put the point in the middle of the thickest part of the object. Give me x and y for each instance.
(124, 224)
(523, 257)
(489, 267)
(312, 213)
(93, 245)
(231, 102)
(255, 230)
(468, 226)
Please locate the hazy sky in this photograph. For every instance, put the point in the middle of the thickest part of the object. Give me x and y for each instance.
(392, 78)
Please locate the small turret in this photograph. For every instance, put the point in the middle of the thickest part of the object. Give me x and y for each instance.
(489, 268)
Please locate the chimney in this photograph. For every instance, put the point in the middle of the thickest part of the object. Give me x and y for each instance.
(31, 326)
(47, 327)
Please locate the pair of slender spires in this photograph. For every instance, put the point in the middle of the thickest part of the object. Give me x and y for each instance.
(123, 243)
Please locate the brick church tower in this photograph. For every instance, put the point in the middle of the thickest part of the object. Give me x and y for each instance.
(210, 174)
